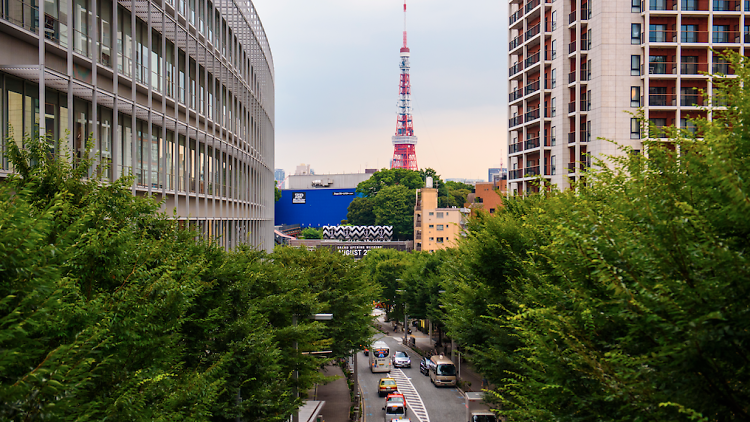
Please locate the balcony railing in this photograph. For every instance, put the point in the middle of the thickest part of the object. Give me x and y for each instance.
(531, 143)
(515, 43)
(725, 37)
(723, 68)
(585, 44)
(531, 33)
(533, 59)
(514, 148)
(550, 55)
(572, 77)
(515, 121)
(693, 68)
(661, 100)
(585, 105)
(531, 115)
(513, 96)
(572, 17)
(515, 174)
(691, 100)
(531, 171)
(658, 35)
(694, 36)
(585, 75)
(531, 88)
(662, 68)
(726, 6)
(571, 137)
(516, 16)
(572, 107)
(692, 5)
(572, 47)
(662, 5)
(531, 5)
(515, 69)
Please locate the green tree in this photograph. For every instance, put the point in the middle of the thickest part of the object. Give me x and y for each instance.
(389, 178)
(625, 299)
(457, 193)
(312, 233)
(360, 212)
(394, 206)
(276, 194)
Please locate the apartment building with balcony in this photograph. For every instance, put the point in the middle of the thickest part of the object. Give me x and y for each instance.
(178, 93)
(577, 67)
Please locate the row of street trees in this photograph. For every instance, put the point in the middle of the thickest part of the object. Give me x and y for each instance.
(624, 299)
(110, 311)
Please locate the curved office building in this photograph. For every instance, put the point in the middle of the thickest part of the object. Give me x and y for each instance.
(178, 93)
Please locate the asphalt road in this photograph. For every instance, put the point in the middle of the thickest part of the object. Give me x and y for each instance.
(439, 404)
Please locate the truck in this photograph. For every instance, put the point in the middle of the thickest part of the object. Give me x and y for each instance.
(476, 410)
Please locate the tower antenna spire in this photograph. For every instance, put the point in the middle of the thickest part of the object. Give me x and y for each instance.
(405, 24)
(404, 141)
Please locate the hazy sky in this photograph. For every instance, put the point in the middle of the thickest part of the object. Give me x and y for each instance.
(336, 64)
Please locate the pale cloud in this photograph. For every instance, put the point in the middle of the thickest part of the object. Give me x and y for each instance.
(337, 82)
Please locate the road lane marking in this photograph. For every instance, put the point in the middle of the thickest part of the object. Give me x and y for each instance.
(413, 400)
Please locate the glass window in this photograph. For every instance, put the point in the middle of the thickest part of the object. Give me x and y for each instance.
(553, 107)
(439, 215)
(553, 136)
(81, 27)
(554, 49)
(439, 240)
(554, 20)
(657, 33)
(635, 33)
(635, 65)
(635, 6)
(635, 128)
(721, 34)
(554, 78)
(124, 42)
(105, 33)
(440, 227)
(635, 96)
(104, 139)
(552, 165)
(15, 127)
(125, 132)
(689, 32)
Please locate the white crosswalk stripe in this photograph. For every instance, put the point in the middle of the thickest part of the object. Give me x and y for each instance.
(405, 387)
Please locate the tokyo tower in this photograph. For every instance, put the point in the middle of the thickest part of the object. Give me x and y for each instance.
(404, 142)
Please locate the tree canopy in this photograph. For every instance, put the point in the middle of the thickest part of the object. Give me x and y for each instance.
(110, 311)
(625, 299)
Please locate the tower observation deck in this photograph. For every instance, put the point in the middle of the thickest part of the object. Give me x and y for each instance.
(404, 141)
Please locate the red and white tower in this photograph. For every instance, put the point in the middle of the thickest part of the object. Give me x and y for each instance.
(404, 142)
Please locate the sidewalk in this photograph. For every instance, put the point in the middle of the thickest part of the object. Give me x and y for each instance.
(471, 379)
(335, 395)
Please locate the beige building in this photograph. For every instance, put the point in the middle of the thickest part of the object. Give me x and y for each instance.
(578, 66)
(435, 228)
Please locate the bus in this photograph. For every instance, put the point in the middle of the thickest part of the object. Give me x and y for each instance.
(380, 357)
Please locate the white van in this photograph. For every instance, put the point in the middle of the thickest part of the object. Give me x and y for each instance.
(442, 371)
(394, 411)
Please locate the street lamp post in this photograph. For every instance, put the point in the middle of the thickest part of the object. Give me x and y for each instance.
(316, 317)
(406, 321)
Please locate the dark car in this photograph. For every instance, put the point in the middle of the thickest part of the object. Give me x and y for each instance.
(424, 366)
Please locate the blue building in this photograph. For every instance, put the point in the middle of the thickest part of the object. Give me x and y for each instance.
(313, 207)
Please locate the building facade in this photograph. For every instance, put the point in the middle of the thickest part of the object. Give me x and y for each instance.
(436, 228)
(578, 66)
(178, 93)
(487, 196)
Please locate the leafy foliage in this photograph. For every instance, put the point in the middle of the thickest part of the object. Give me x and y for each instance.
(109, 311)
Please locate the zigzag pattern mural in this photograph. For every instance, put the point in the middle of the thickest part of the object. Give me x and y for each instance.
(358, 233)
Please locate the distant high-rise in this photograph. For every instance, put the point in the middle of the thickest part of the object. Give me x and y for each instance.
(404, 141)
(577, 66)
(280, 176)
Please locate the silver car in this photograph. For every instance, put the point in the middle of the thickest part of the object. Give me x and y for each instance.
(401, 360)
